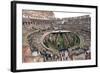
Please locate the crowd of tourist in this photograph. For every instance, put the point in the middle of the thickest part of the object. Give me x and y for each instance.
(63, 55)
(36, 55)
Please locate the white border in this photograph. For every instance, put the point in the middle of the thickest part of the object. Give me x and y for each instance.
(21, 65)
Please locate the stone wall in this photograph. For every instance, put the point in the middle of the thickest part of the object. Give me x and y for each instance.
(35, 24)
(80, 25)
(38, 14)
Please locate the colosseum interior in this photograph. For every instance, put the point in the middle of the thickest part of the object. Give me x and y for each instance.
(47, 38)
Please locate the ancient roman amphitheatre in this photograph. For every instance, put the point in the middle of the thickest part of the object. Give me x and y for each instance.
(48, 38)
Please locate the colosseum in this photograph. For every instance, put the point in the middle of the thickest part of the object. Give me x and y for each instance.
(47, 38)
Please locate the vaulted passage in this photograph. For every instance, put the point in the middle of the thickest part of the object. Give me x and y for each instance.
(61, 40)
